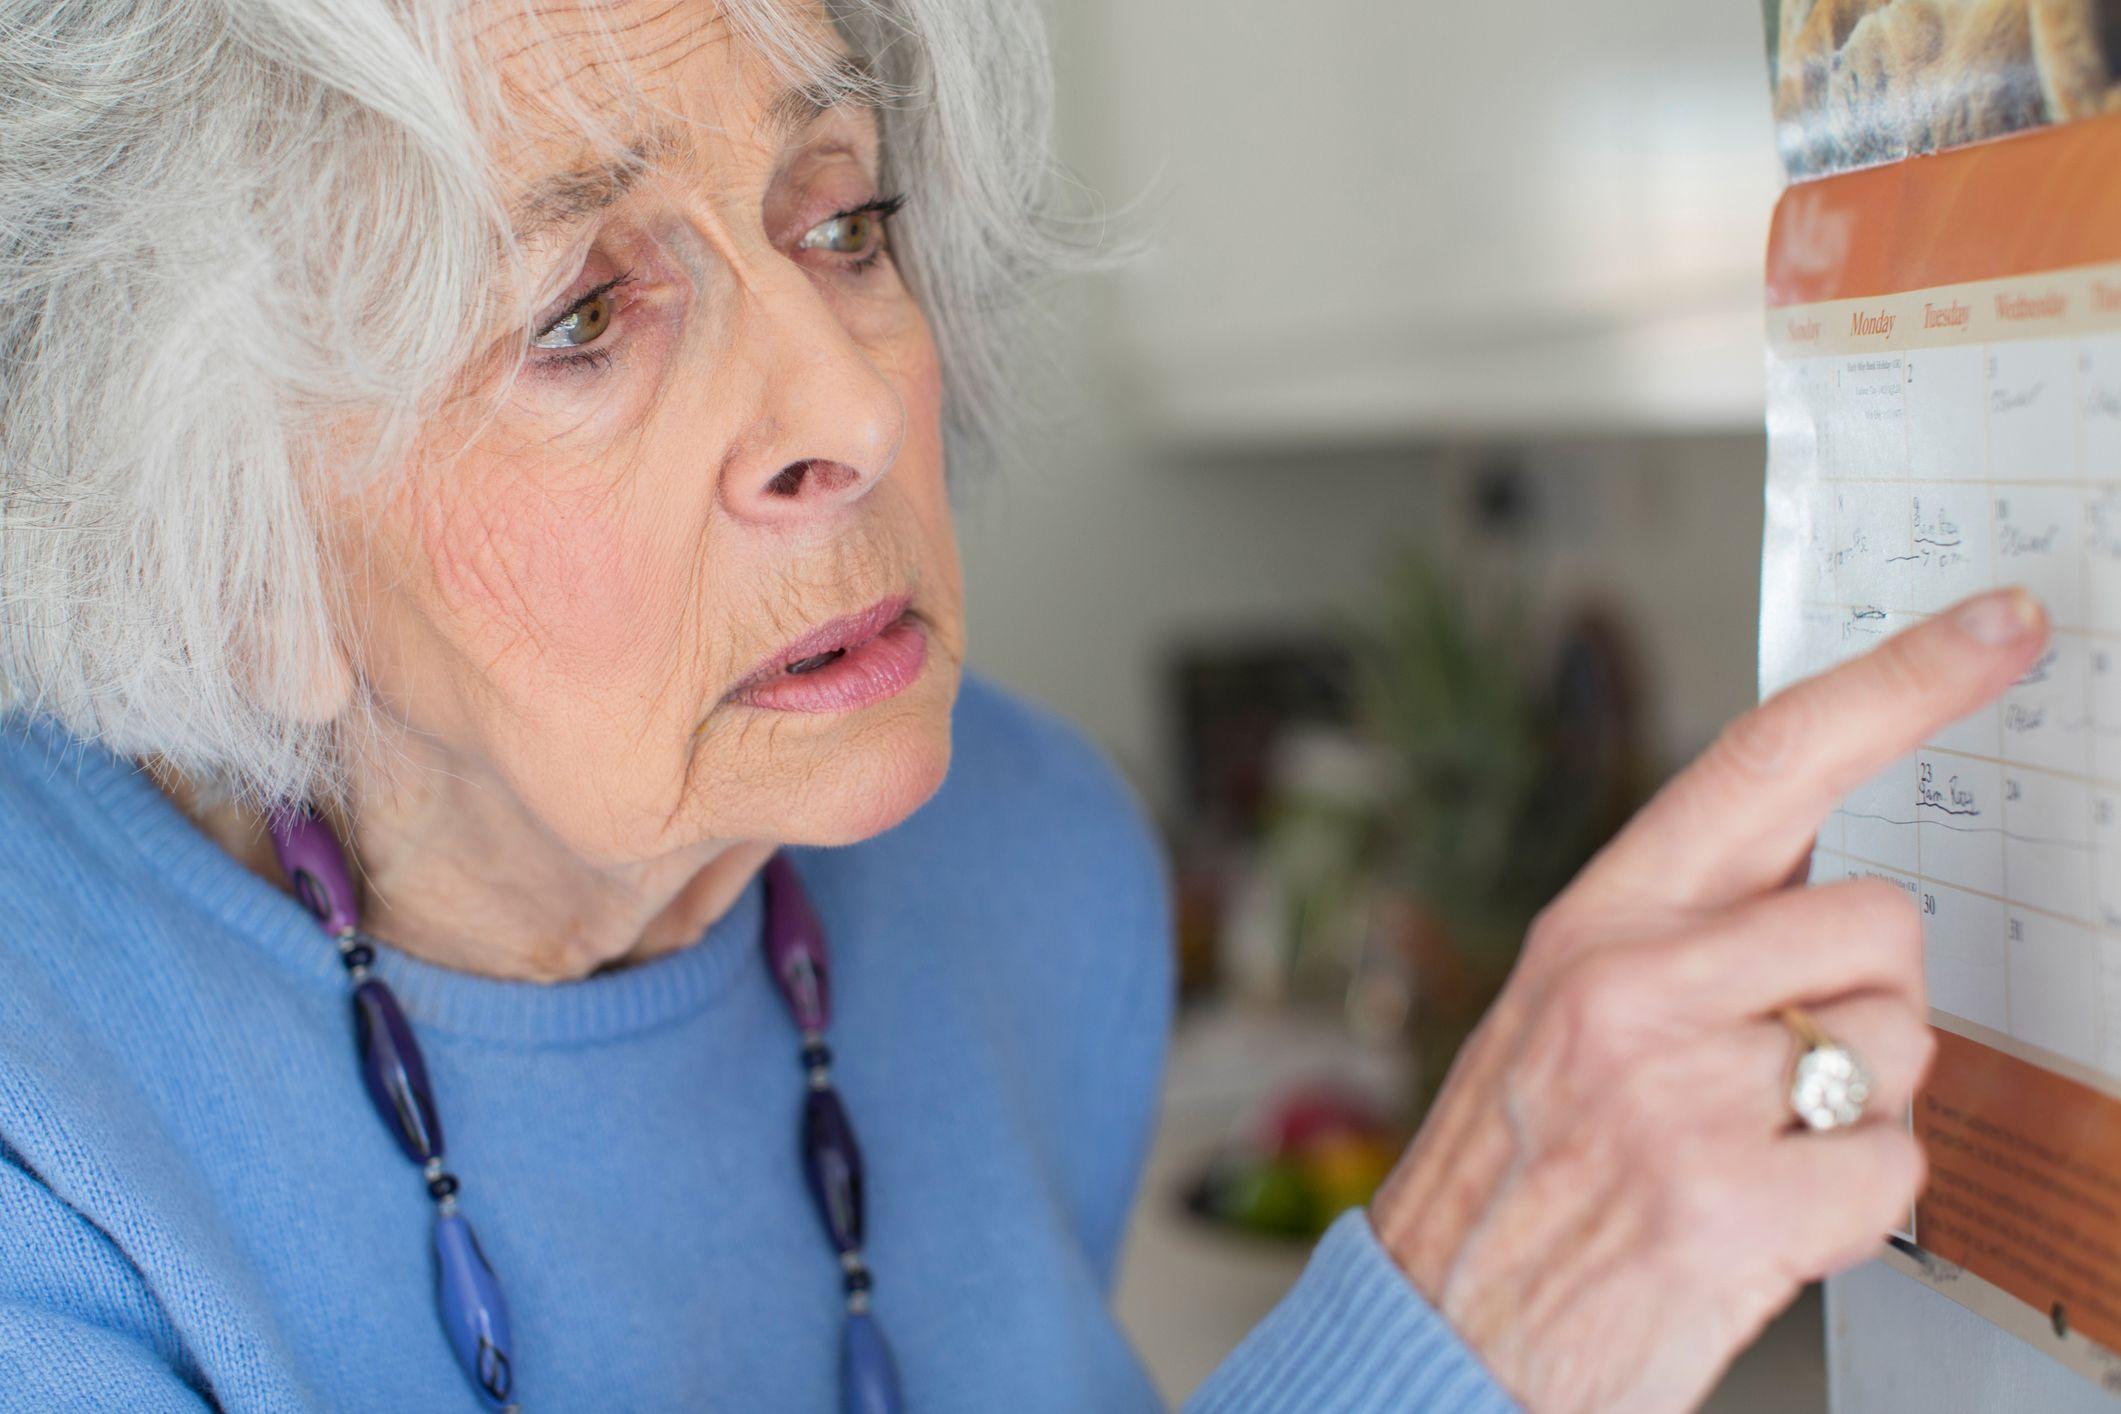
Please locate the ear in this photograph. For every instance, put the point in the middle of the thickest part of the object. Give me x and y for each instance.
(304, 671)
(301, 671)
(327, 690)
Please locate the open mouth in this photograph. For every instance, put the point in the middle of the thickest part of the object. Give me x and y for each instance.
(850, 662)
(815, 661)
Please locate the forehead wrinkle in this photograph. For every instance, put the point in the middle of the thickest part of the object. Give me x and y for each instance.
(568, 198)
(544, 32)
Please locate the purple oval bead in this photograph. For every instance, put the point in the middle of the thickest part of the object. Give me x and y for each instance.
(795, 947)
(868, 1374)
(474, 1314)
(396, 1076)
(313, 862)
(833, 1164)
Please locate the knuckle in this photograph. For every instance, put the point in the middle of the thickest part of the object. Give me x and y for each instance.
(1635, 1101)
(1548, 931)
(1879, 1178)
(1756, 745)
(1903, 1169)
(1902, 668)
(1883, 916)
(1898, 1050)
(1697, 1191)
(1699, 1196)
(1920, 1049)
(1879, 902)
(1598, 1001)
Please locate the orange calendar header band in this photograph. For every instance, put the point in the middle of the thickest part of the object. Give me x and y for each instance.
(2084, 299)
(1952, 218)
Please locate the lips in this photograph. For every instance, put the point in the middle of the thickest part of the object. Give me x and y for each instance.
(850, 662)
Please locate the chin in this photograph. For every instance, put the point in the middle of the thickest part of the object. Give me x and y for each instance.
(847, 778)
(892, 786)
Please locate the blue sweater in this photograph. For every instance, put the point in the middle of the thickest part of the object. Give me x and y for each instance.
(198, 1208)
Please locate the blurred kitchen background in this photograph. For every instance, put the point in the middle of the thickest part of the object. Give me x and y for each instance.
(1397, 530)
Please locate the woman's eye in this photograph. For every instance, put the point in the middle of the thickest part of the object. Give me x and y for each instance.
(584, 321)
(844, 235)
(583, 324)
(859, 233)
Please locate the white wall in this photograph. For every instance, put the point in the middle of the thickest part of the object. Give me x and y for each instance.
(1099, 550)
(1896, 1347)
(1085, 565)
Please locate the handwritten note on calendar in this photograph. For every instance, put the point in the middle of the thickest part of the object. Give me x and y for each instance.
(1944, 415)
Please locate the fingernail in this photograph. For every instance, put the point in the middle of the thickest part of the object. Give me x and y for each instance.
(1999, 618)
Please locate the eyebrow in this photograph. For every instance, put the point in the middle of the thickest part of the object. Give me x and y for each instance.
(566, 199)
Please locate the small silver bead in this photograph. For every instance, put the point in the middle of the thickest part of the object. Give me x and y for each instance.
(857, 1303)
(820, 1078)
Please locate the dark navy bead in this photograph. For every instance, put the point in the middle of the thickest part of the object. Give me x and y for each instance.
(868, 1374)
(442, 1185)
(396, 1076)
(359, 955)
(816, 1055)
(833, 1164)
(474, 1314)
(858, 1280)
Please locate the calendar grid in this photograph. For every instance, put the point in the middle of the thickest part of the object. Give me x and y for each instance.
(2003, 826)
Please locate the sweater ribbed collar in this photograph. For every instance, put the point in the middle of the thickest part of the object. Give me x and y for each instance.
(167, 844)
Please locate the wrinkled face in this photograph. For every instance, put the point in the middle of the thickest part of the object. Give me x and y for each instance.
(695, 579)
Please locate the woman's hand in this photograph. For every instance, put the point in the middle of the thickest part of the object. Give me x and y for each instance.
(1610, 1197)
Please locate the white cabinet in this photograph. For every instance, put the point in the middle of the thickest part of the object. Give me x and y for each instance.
(1383, 219)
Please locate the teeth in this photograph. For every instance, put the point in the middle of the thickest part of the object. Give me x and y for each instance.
(816, 661)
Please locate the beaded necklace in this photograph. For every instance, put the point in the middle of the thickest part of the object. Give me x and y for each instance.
(474, 1313)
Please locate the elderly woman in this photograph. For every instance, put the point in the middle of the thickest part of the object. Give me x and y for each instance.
(474, 535)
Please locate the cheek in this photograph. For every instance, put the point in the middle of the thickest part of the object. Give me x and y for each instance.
(922, 385)
(528, 572)
(920, 468)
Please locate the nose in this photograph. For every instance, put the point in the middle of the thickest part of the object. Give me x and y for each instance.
(827, 422)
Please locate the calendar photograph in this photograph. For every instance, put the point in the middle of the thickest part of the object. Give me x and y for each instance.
(1859, 82)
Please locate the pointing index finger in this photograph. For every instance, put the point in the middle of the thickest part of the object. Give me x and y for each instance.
(1739, 819)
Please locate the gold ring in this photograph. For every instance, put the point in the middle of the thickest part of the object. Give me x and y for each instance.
(1828, 1085)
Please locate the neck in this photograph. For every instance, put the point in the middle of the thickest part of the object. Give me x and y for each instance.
(459, 876)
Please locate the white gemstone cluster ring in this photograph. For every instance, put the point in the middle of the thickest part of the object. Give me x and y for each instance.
(1828, 1085)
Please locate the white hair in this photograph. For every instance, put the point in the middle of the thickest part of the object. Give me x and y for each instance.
(241, 243)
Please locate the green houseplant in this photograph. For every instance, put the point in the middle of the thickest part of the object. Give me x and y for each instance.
(1513, 758)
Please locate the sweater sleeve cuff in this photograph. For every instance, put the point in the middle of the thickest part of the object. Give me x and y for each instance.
(1351, 1337)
